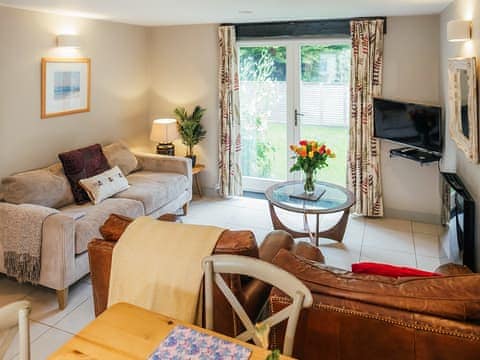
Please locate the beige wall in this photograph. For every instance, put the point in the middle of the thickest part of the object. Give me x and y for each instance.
(411, 72)
(120, 84)
(139, 74)
(460, 10)
(184, 73)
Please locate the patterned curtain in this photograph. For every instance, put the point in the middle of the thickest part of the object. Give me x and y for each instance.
(229, 145)
(366, 82)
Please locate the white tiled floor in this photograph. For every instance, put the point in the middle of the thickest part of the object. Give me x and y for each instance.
(383, 240)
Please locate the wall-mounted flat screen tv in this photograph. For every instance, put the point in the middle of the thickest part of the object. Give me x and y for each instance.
(415, 125)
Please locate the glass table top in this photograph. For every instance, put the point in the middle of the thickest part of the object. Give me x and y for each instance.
(334, 199)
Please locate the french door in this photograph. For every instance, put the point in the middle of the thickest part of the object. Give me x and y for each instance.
(292, 90)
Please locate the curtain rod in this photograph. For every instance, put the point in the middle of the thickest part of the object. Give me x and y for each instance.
(307, 22)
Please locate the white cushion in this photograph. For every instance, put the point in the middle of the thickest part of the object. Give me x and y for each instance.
(104, 185)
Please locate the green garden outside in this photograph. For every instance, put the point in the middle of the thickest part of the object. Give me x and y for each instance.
(263, 108)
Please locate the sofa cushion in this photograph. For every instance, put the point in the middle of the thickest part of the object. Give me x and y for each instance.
(154, 189)
(46, 187)
(80, 164)
(88, 227)
(373, 268)
(104, 185)
(119, 155)
(454, 297)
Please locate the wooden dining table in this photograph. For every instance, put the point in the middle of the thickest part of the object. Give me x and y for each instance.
(125, 331)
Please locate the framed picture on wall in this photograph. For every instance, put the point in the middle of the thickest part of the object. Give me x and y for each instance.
(65, 86)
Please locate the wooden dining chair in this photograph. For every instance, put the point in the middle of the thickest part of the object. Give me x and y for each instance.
(13, 318)
(216, 265)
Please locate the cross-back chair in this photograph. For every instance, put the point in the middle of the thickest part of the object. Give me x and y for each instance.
(216, 265)
(13, 318)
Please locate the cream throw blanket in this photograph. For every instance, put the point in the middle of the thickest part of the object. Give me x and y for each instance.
(21, 231)
(157, 265)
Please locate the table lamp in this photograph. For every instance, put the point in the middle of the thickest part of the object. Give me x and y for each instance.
(164, 131)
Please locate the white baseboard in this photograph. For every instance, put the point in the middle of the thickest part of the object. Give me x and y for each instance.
(209, 192)
(413, 216)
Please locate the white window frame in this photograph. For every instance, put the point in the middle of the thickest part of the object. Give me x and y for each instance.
(293, 72)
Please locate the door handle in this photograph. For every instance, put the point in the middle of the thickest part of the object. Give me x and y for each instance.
(297, 115)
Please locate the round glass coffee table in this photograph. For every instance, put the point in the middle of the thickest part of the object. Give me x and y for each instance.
(334, 199)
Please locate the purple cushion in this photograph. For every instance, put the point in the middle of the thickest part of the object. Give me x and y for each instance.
(81, 164)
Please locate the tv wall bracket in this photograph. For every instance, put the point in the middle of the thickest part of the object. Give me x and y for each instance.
(422, 157)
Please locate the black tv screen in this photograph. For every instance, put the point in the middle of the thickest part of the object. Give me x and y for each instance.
(410, 124)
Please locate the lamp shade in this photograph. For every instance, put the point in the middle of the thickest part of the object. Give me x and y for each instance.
(164, 131)
(459, 30)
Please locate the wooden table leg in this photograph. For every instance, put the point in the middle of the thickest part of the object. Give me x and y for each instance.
(336, 232)
(198, 185)
(278, 225)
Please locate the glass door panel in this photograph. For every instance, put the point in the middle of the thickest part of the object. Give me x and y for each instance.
(324, 96)
(292, 90)
(263, 114)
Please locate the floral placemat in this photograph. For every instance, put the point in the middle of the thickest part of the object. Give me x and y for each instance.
(183, 343)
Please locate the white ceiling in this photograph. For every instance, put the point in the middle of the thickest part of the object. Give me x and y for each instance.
(170, 12)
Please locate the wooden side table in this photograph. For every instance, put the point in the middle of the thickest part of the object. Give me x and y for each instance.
(334, 199)
(196, 170)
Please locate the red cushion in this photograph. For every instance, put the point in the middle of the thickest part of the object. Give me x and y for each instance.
(389, 270)
(81, 164)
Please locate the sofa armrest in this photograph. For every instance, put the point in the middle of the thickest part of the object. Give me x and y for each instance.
(57, 245)
(164, 163)
(100, 257)
(58, 252)
(273, 242)
(453, 269)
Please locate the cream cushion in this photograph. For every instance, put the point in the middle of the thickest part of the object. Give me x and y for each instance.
(104, 185)
(119, 155)
(46, 187)
(154, 189)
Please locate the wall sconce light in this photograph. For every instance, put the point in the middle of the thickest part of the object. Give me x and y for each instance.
(72, 41)
(459, 30)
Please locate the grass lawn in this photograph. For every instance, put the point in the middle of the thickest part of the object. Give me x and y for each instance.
(335, 137)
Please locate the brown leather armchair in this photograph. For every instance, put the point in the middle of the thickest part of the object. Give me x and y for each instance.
(357, 316)
(252, 293)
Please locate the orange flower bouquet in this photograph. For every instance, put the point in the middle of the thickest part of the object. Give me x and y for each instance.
(310, 156)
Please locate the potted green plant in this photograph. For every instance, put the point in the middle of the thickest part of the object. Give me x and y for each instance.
(190, 129)
(274, 355)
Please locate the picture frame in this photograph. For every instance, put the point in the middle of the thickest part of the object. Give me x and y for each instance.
(65, 86)
(462, 105)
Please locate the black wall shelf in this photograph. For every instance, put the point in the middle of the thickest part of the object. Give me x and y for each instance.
(422, 157)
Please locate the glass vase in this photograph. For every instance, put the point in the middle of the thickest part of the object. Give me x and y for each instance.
(309, 184)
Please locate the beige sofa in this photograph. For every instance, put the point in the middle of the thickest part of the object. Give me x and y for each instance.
(159, 185)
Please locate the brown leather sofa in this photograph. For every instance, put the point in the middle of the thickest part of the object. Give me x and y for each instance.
(357, 316)
(252, 293)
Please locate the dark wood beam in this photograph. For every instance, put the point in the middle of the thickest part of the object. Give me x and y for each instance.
(307, 28)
